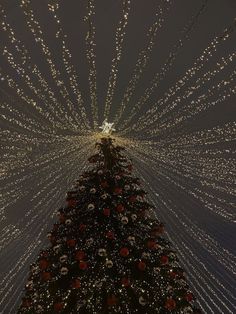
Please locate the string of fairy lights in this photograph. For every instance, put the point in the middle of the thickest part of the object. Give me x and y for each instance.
(49, 131)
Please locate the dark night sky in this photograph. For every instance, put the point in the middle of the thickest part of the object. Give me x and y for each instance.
(202, 236)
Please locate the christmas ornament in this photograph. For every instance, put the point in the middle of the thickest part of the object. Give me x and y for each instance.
(26, 303)
(130, 168)
(91, 206)
(141, 265)
(82, 227)
(164, 259)
(68, 222)
(46, 276)
(62, 218)
(117, 191)
(156, 270)
(64, 271)
(125, 282)
(104, 196)
(170, 304)
(145, 255)
(79, 255)
(124, 252)
(110, 235)
(109, 263)
(157, 230)
(106, 212)
(56, 248)
(131, 240)
(112, 300)
(71, 202)
(89, 241)
(104, 184)
(63, 258)
(151, 244)
(120, 208)
(124, 220)
(189, 297)
(76, 284)
(102, 252)
(127, 187)
(134, 217)
(139, 198)
(71, 242)
(142, 301)
(43, 264)
(83, 265)
(58, 307)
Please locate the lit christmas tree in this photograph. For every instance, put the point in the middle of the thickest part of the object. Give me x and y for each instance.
(107, 253)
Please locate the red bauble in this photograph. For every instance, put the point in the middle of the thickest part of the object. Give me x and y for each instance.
(164, 259)
(71, 242)
(124, 252)
(55, 227)
(26, 303)
(79, 255)
(125, 282)
(43, 264)
(71, 202)
(46, 276)
(141, 266)
(62, 218)
(112, 300)
(157, 230)
(76, 284)
(110, 235)
(170, 304)
(132, 198)
(130, 167)
(151, 244)
(83, 265)
(52, 239)
(189, 297)
(82, 227)
(173, 274)
(104, 184)
(58, 307)
(106, 211)
(44, 253)
(120, 208)
(117, 190)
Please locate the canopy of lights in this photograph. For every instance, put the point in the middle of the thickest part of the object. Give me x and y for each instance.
(159, 75)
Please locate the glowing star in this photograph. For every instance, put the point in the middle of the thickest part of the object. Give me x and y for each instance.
(107, 127)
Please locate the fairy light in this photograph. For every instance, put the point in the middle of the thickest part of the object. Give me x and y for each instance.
(90, 55)
(190, 175)
(119, 39)
(143, 57)
(54, 7)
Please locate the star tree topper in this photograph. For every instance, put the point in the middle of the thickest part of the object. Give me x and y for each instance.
(107, 127)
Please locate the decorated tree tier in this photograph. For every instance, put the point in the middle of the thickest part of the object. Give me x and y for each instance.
(107, 252)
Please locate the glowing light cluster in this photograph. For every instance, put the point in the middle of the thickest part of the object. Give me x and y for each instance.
(49, 130)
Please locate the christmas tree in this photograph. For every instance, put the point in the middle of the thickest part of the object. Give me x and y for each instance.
(107, 252)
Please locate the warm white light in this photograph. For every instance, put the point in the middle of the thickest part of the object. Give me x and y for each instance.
(107, 127)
